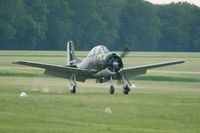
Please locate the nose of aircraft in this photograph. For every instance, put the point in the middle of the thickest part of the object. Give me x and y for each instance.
(114, 62)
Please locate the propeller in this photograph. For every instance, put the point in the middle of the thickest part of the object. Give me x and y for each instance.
(114, 63)
(125, 51)
(122, 55)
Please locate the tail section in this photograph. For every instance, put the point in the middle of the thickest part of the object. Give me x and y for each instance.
(70, 54)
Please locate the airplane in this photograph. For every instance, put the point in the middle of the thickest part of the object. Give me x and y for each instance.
(100, 64)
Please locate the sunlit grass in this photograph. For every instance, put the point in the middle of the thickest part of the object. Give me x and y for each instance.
(165, 100)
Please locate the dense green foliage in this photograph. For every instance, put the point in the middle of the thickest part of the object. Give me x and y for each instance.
(49, 24)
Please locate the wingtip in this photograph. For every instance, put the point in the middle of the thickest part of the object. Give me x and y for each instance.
(17, 62)
(182, 61)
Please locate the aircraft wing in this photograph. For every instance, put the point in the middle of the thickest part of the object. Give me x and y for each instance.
(59, 70)
(137, 70)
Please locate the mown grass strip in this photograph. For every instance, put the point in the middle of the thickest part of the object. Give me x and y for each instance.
(166, 78)
(18, 74)
(146, 77)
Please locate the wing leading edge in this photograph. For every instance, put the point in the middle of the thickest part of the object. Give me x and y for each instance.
(83, 74)
(137, 70)
(59, 70)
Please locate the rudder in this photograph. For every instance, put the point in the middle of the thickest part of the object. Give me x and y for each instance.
(70, 53)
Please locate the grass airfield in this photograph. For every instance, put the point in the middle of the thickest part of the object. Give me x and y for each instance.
(165, 100)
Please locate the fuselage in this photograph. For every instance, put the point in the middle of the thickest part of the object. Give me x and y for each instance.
(100, 58)
(94, 60)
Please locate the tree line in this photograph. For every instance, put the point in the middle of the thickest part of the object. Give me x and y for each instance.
(49, 24)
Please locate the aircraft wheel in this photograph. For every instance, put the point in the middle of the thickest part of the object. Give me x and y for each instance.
(112, 90)
(126, 90)
(73, 91)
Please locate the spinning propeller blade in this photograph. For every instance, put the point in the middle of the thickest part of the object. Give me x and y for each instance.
(125, 51)
(122, 55)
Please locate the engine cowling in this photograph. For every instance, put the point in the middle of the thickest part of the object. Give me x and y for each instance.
(114, 62)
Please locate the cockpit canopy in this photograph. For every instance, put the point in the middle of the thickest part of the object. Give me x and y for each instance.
(101, 49)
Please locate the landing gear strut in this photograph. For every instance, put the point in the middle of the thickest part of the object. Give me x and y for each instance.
(73, 84)
(126, 87)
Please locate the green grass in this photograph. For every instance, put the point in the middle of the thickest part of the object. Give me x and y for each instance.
(151, 77)
(165, 100)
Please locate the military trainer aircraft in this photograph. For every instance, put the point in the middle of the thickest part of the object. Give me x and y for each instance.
(100, 64)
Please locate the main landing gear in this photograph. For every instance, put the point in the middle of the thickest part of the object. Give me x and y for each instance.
(126, 87)
(112, 89)
(73, 84)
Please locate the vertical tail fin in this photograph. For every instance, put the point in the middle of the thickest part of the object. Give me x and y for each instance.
(70, 53)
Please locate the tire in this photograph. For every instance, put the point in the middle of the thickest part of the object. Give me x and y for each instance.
(112, 90)
(73, 91)
(126, 90)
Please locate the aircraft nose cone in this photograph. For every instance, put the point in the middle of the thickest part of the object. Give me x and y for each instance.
(115, 63)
